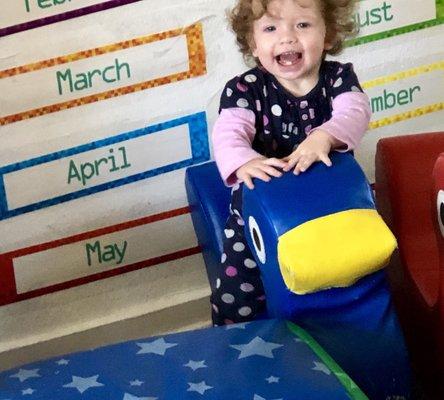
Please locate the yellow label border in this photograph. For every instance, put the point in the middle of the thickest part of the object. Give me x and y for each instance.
(399, 76)
(196, 58)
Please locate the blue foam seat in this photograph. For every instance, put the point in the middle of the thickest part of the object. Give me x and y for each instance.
(267, 359)
(356, 325)
(209, 201)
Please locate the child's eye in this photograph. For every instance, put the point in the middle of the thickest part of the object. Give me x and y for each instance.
(270, 28)
(303, 25)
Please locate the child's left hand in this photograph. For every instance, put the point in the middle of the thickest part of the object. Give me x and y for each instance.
(315, 147)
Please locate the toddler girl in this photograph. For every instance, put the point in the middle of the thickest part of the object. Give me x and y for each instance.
(288, 112)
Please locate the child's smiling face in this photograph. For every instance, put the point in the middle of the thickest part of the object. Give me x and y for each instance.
(289, 40)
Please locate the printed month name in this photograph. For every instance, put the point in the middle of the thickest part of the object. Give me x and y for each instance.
(73, 82)
(83, 172)
(44, 3)
(105, 253)
(373, 16)
(389, 100)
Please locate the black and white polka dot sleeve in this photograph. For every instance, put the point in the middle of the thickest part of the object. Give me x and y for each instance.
(341, 78)
(241, 92)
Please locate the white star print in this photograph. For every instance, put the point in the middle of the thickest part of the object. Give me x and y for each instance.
(272, 379)
(257, 397)
(136, 382)
(258, 347)
(196, 364)
(62, 362)
(24, 374)
(321, 368)
(128, 396)
(158, 346)
(82, 384)
(240, 325)
(200, 387)
(27, 391)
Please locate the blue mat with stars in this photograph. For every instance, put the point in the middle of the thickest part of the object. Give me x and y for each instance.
(261, 360)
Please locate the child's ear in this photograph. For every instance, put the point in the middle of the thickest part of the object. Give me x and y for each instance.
(327, 44)
(252, 46)
(329, 40)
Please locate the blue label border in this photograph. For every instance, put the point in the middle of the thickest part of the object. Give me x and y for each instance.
(200, 151)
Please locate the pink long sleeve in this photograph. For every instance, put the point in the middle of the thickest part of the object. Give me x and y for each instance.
(234, 131)
(350, 117)
(233, 135)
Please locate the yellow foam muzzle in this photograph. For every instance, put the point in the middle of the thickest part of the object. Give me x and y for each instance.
(335, 250)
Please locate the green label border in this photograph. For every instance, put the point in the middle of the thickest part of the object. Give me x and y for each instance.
(399, 31)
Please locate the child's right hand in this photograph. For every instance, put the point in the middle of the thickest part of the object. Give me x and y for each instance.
(261, 168)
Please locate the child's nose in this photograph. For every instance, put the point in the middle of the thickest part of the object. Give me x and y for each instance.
(288, 36)
(288, 39)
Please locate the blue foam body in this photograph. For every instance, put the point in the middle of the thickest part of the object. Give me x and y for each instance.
(356, 325)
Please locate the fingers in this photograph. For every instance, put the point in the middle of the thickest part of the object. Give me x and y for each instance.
(276, 162)
(271, 171)
(291, 163)
(262, 169)
(325, 159)
(248, 182)
(303, 164)
(248, 175)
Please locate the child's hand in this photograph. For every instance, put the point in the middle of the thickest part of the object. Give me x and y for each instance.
(261, 168)
(315, 147)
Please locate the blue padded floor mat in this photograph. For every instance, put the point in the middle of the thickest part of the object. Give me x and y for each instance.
(261, 360)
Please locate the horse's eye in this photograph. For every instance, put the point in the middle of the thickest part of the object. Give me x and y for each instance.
(440, 209)
(257, 239)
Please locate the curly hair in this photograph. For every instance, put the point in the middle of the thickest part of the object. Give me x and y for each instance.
(337, 14)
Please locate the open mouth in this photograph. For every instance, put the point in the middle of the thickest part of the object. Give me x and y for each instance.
(288, 58)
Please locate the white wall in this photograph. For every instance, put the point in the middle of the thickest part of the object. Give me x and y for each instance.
(44, 234)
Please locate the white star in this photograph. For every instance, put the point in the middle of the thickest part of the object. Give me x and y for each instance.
(28, 391)
(82, 384)
(158, 346)
(200, 387)
(321, 367)
(272, 379)
(240, 325)
(196, 364)
(136, 382)
(128, 396)
(258, 347)
(24, 374)
(62, 362)
(257, 397)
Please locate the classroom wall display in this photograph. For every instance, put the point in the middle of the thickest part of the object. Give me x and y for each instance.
(399, 59)
(98, 124)
(103, 104)
(378, 19)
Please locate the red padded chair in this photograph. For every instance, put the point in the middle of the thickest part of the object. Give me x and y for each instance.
(438, 218)
(404, 185)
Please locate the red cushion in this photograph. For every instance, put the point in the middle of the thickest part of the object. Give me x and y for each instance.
(404, 167)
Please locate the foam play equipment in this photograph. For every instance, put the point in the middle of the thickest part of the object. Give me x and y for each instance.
(327, 230)
(356, 324)
(209, 201)
(408, 196)
(267, 359)
(438, 219)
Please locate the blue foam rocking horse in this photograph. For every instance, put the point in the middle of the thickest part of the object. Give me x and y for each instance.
(321, 247)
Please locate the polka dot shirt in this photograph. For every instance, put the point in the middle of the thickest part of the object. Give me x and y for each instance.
(282, 120)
